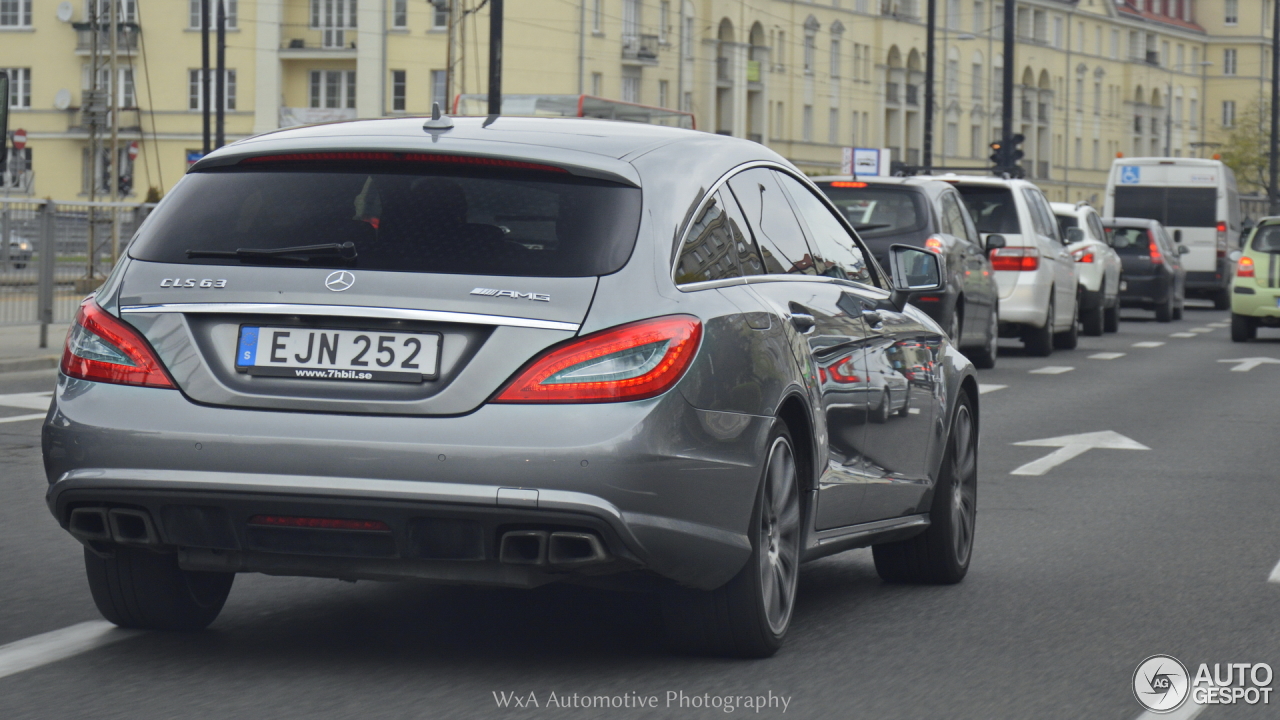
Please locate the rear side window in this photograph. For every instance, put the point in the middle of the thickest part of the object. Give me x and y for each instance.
(836, 254)
(1171, 207)
(1095, 225)
(992, 208)
(783, 249)
(421, 220)
(1266, 239)
(880, 211)
(714, 243)
(953, 217)
(1040, 213)
(1131, 241)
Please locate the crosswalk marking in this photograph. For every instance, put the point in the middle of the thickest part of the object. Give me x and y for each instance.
(22, 655)
(1106, 356)
(984, 389)
(1148, 343)
(27, 401)
(1182, 334)
(1051, 370)
(1201, 330)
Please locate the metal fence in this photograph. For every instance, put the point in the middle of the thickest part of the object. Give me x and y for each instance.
(54, 253)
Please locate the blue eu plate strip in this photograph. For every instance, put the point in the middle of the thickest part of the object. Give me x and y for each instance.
(247, 354)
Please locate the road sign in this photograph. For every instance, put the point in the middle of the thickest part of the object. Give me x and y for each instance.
(1130, 174)
(133, 150)
(1247, 364)
(1070, 446)
(19, 139)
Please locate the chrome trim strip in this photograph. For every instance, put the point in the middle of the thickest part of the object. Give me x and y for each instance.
(355, 311)
(844, 533)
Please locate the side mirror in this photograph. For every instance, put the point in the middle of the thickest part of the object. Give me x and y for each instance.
(996, 241)
(1183, 249)
(1177, 236)
(914, 270)
(4, 119)
(1235, 255)
(1074, 235)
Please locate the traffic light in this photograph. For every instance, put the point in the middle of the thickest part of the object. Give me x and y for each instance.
(1015, 152)
(997, 154)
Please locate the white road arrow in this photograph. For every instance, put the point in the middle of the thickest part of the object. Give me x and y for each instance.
(1247, 364)
(1070, 446)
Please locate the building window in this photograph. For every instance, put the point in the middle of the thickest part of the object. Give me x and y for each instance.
(977, 81)
(686, 104)
(953, 77)
(951, 139)
(334, 18)
(1228, 113)
(808, 54)
(19, 87)
(1230, 12)
(127, 11)
(595, 15)
(835, 57)
(18, 172)
(1095, 154)
(1229, 61)
(630, 85)
(597, 84)
(807, 127)
(1115, 44)
(664, 22)
(778, 122)
(397, 90)
(953, 14)
(231, 9)
(975, 141)
(195, 100)
(15, 13)
(630, 19)
(1059, 38)
(332, 89)
(1193, 115)
(400, 14)
(662, 93)
(833, 126)
(979, 22)
(438, 92)
(440, 16)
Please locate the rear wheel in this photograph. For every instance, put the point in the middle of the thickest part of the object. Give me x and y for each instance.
(984, 358)
(1243, 328)
(749, 615)
(1094, 320)
(1071, 338)
(955, 326)
(941, 554)
(1222, 299)
(1111, 318)
(137, 588)
(1039, 341)
(1164, 311)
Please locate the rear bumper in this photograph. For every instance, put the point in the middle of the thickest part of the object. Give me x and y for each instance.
(1254, 301)
(1209, 281)
(623, 472)
(1144, 290)
(1025, 296)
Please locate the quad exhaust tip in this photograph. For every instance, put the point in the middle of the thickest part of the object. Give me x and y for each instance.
(121, 525)
(538, 547)
(90, 524)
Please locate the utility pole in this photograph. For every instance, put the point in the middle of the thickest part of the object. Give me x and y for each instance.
(1273, 192)
(220, 78)
(113, 180)
(495, 57)
(1006, 94)
(205, 100)
(95, 152)
(448, 60)
(930, 29)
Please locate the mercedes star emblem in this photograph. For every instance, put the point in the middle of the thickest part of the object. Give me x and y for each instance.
(339, 280)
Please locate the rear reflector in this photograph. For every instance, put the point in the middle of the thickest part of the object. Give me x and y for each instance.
(391, 157)
(102, 348)
(1015, 259)
(629, 362)
(319, 523)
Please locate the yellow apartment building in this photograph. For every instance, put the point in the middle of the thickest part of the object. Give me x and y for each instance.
(1094, 77)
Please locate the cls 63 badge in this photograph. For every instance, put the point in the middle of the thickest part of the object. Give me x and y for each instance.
(193, 283)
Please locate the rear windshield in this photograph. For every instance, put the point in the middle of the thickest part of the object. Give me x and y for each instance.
(992, 208)
(1266, 238)
(879, 211)
(1130, 240)
(524, 223)
(1170, 206)
(1065, 222)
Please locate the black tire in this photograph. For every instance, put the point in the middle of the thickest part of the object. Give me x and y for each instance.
(1243, 328)
(955, 329)
(880, 414)
(1094, 320)
(1222, 299)
(1164, 311)
(747, 617)
(1038, 342)
(1111, 318)
(1179, 307)
(941, 554)
(1069, 339)
(138, 588)
(984, 357)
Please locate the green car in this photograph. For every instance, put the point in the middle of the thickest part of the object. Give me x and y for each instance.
(1255, 290)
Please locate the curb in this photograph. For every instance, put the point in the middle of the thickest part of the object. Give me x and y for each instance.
(44, 362)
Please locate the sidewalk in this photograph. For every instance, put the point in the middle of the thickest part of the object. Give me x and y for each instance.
(20, 348)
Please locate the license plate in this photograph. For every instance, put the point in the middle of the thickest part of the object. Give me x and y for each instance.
(326, 354)
(1124, 285)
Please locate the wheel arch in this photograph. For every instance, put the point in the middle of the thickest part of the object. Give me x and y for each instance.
(793, 411)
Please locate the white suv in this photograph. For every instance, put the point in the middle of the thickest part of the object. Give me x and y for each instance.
(1097, 266)
(1034, 269)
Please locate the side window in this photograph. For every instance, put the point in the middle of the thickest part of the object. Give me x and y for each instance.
(952, 222)
(1040, 214)
(836, 253)
(711, 250)
(970, 229)
(782, 246)
(1096, 229)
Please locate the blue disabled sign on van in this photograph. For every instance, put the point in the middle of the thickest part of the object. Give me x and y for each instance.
(1130, 174)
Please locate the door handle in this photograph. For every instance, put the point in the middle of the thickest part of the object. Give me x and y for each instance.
(803, 322)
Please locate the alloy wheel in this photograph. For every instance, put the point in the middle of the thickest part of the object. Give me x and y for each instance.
(964, 478)
(779, 538)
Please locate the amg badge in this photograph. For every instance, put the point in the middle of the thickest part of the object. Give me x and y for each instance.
(490, 292)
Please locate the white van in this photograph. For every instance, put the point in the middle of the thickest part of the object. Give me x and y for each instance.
(1196, 201)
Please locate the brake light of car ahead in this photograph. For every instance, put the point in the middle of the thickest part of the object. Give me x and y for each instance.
(1153, 248)
(1015, 258)
(1245, 268)
(1222, 239)
(935, 243)
(630, 362)
(1083, 255)
(104, 349)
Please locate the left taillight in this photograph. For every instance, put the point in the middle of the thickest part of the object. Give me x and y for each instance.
(630, 362)
(102, 348)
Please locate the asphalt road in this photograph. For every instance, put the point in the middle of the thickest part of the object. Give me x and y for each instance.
(1079, 574)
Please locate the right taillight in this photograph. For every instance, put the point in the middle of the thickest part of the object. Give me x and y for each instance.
(1015, 258)
(1083, 255)
(1245, 267)
(1153, 249)
(1222, 239)
(102, 348)
(630, 362)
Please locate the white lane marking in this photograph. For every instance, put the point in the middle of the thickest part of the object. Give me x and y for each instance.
(1201, 330)
(20, 418)
(1274, 577)
(1219, 324)
(1148, 343)
(1051, 370)
(21, 655)
(27, 401)
(1188, 711)
(1106, 356)
(1247, 364)
(1070, 446)
(984, 389)
(1182, 335)
(913, 411)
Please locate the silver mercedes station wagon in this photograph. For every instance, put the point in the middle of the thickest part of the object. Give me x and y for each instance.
(509, 352)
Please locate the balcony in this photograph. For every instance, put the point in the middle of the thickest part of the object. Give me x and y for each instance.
(126, 40)
(318, 43)
(913, 94)
(891, 92)
(640, 48)
(1026, 109)
(1042, 112)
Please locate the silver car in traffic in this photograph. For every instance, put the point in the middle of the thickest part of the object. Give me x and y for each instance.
(508, 352)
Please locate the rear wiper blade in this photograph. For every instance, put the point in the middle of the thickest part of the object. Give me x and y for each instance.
(346, 251)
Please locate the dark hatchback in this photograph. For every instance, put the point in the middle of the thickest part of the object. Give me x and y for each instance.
(931, 214)
(1151, 265)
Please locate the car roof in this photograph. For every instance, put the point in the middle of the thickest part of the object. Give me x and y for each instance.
(981, 180)
(1071, 208)
(930, 185)
(1130, 222)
